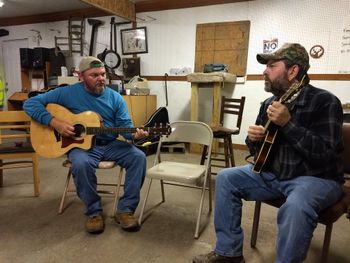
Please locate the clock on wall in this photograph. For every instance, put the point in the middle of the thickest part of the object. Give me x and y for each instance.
(112, 59)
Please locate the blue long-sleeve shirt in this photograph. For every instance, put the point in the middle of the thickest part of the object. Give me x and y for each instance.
(311, 142)
(110, 105)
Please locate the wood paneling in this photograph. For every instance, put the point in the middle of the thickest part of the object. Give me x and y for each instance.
(51, 17)
(121, 5)
(158, 5)
(140, 108)
(121, 8)
(225, 43)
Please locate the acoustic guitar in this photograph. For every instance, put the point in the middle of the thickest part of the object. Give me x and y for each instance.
(47, 142)
(272, 130)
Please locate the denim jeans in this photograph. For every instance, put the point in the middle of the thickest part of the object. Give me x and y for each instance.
(296, 219)
(84, 165)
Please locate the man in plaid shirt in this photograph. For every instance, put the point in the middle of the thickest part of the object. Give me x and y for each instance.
(304, 164)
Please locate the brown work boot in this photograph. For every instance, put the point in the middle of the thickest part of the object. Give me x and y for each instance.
(95, 224)
(127, 221)
(212, 257)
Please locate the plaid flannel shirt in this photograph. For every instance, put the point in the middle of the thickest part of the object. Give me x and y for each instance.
(310, 144)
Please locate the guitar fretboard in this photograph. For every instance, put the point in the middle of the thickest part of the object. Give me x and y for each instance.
(113, 130)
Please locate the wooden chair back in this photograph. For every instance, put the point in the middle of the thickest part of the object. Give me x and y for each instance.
(232, 106)
(15, 145)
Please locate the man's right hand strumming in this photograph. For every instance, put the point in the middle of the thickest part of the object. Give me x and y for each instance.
(256, 133)
(63, 128)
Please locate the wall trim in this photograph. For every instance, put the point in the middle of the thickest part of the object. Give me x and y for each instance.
(312, 77)
(345, 77)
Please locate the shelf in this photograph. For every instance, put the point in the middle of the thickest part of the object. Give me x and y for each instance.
(28, 74)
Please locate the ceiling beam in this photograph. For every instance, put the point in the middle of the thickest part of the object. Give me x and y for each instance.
(121, 8)
(51, 17)
(159, 5)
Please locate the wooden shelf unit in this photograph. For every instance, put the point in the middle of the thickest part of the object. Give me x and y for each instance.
(28, 74)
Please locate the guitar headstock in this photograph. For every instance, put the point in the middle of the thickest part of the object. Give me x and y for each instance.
(159, 129)
(294, 88)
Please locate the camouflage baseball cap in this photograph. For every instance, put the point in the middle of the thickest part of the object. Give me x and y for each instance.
(90, 62)
(293, 52)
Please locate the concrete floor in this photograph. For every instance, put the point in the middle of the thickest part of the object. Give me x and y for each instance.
(32, 231)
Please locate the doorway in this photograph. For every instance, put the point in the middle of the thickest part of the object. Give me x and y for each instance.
(12, 66)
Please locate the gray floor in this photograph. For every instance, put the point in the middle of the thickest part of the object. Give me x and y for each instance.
(31, 230)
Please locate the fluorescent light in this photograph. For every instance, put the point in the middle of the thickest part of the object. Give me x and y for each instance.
(1, 3)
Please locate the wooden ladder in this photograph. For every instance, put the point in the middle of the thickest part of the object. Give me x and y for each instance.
(74, 43)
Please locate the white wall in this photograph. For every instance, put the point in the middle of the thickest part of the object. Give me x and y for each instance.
(171, 44)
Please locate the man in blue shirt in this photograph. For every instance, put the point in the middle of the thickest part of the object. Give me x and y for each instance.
(304, 164)
(92, 94)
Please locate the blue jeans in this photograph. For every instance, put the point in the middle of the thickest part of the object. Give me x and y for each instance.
(84, 165)
(297, 217)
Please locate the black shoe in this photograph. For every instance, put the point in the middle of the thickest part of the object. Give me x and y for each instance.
(212, 257)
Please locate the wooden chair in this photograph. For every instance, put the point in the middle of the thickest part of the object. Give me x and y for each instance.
(15, 145)
(327, 216)
(102, 165)
(229, 106)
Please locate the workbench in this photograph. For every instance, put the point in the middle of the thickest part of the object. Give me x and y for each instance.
(214, 80)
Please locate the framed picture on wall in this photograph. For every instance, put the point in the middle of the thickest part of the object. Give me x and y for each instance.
(134, 40)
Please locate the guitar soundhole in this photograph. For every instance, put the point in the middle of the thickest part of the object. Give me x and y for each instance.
(79, 130)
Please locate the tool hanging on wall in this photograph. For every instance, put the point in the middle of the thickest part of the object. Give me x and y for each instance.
(38, 37)
(95, 24)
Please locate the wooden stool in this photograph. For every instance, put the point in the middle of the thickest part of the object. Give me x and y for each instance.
(228, 106)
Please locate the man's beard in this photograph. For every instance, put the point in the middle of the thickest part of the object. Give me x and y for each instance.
(98, 88)
(277, 87)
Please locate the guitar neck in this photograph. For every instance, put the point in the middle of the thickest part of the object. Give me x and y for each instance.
(267, 124)
(111, 130)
